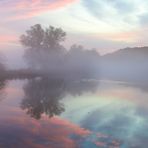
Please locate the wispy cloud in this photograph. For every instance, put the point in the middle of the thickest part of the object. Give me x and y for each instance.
(118, 12)
(29, 8)
(103, 24)
(129, 36)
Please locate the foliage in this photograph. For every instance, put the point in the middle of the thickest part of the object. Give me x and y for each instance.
(45, 53)
(38, 38)
(43, 46)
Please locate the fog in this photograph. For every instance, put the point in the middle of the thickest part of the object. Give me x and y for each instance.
(45, 55)
(129, 64)
(60, 82)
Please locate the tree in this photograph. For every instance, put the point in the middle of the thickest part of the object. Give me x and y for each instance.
(43, 46)
(33, 37)
(53, 36)
(37, 37)
(83, 62)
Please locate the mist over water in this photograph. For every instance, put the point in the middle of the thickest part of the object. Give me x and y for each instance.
(45, 56)
(45, 53)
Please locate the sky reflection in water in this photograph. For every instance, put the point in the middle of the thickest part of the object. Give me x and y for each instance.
(70, 114)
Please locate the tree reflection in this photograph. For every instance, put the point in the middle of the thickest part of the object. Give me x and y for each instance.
(43, 95)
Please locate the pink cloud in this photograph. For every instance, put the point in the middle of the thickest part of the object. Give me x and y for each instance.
(128, 36)
(26, 9)
(6, 38)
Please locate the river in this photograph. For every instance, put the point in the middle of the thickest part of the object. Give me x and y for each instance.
(55, 113)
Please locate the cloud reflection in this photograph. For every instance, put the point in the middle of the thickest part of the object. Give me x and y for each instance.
(52, 133)
(41, 134)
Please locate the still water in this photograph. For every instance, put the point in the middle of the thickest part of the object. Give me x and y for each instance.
(55, 113)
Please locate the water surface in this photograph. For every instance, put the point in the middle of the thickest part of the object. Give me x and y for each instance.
(55, 113)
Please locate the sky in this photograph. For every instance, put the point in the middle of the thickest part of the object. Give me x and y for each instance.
(106, 25)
